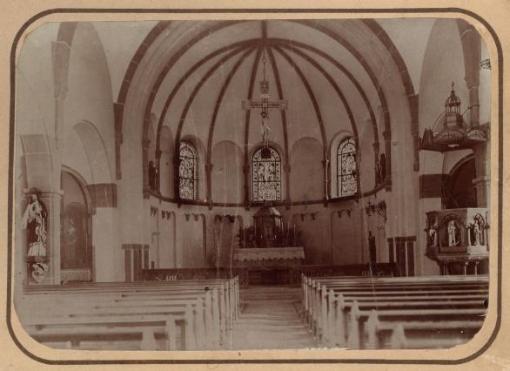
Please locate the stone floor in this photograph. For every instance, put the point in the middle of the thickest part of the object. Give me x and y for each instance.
(269, 320)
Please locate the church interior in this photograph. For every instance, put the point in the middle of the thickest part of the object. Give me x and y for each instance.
(271, 181)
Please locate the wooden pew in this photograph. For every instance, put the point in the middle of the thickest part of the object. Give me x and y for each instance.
(229, 293)
(359, 318)
(328, 302)
(333, 308)
(417, 334)
(109, 332)
(199, 321)
(312, 287)
(185, 317)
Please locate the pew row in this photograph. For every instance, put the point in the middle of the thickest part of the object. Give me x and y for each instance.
(338, 309)
(184, 315)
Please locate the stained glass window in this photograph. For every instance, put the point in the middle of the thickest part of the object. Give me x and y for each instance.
(188, 169)
(347, 168)
(266, 175)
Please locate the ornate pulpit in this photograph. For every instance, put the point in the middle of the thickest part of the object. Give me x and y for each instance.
(458, 238)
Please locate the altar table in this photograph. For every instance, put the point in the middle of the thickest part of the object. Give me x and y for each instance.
(269, 265)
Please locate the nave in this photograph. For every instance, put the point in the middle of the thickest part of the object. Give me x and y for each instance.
(228, 185)
(212, 314)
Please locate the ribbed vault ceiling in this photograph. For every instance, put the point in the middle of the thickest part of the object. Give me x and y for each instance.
(191, 79)
(327, 87)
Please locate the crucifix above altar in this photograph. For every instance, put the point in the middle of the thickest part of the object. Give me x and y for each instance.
(264, 104)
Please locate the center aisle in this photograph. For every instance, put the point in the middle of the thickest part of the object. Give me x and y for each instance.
(269, 320)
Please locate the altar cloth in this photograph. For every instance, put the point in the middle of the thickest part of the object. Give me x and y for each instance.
(269, 253)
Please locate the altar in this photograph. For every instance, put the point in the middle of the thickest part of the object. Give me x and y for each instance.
(272, 255)
(270, 250)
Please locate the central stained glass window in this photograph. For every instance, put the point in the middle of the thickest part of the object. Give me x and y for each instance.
(266, 175)
(187, 171)
(347, 168)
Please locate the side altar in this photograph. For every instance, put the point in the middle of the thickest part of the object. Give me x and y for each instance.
(269, 250)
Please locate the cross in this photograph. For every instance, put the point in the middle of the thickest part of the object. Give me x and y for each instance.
(264, 104)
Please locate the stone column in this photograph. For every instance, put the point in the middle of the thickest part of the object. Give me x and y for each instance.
(145, 166)
(286, 169)
(208, 174)
(325, 166)
(482, 179)
(246, 174)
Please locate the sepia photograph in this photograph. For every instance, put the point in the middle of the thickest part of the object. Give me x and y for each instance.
(253, 184)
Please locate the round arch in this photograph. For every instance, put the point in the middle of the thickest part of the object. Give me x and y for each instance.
(76, 246)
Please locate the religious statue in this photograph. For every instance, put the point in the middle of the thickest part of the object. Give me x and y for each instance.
(477, 232)
(265, 131)
(153, 176)
(34, 221)
(432, 231)
(432, 237)
(452, 230)
(382, 167)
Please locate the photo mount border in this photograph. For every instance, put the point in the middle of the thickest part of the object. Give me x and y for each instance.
(500, 157)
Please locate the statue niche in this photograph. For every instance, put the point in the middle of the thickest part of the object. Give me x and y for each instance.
(34, 221)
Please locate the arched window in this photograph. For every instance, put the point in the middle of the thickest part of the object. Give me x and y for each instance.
(266, 175)
(188, 170)
(347, 173)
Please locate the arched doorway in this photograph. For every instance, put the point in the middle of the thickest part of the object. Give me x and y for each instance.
(76, 253)
(460, 189)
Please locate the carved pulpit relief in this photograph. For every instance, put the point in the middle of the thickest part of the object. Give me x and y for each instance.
(452, 231)
(457, 239)
(477, 231)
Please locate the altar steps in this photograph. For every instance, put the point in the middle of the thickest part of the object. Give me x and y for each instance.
(269, 320)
